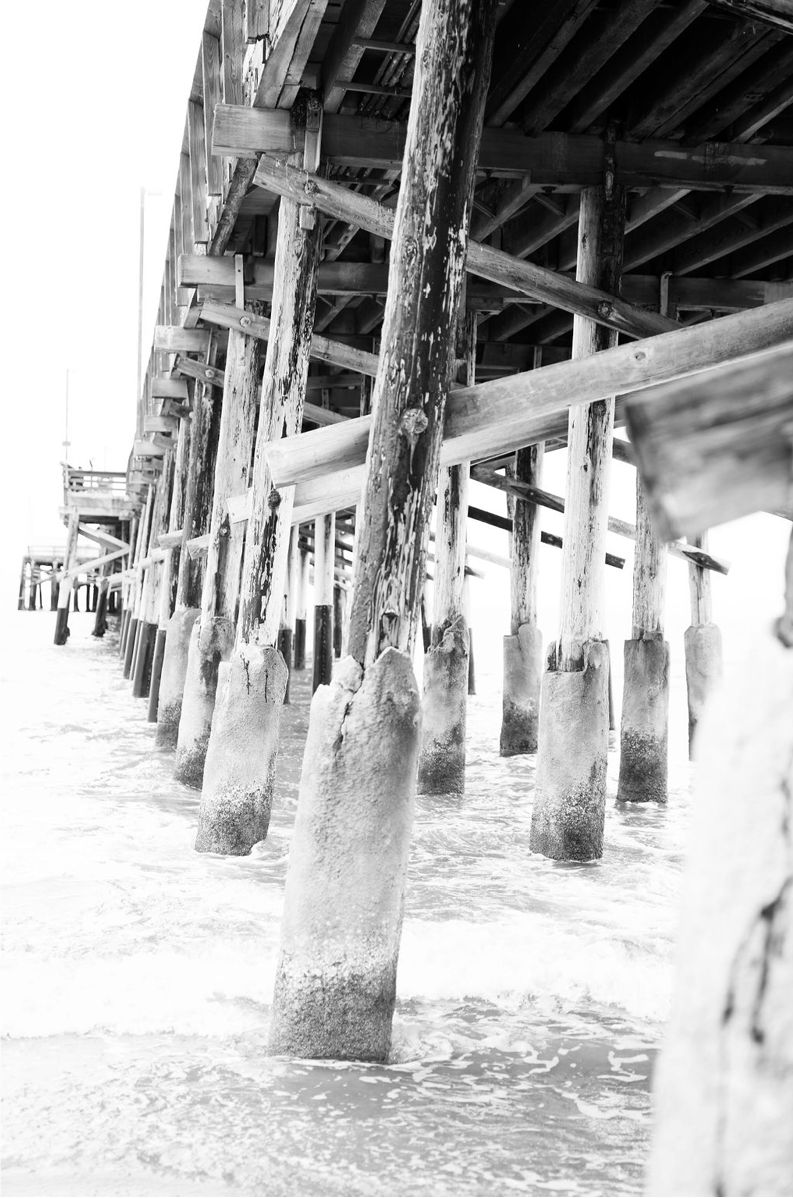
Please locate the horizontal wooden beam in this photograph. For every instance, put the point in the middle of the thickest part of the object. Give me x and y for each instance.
(363, 278)
(169, 388)
(174, 339)
(547, 538)
(717, 446)
(544, 285)
(564, 161)
(322, 348)
(147, 449)
(160, 424)
(621, 528)
(506, 414)
(212, 376)
(102, 538)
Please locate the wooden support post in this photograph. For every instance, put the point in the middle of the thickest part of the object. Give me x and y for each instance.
(523, 664)
(147, 626)
(702, 643)
(286, 633)
(443, 707)
(212, 636)
(336, 981)
(570, 798)
(722, 1089)
(100, 623)
(67, 578)
(32, 582)
(467, 613)
(178, 609)
(134, 590)
(301, 606)
(197, 483)
(240, 764)
(324, 536)
(23, 583)
(644, 730)
(339, 612)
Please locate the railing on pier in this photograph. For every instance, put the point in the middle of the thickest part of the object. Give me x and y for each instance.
(107, 481)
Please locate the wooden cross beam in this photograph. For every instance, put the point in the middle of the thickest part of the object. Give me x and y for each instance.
(564, 161)
(719, 445)
(526, 277)
(505, 414)
(322, 348)
(216, 276)
(621, 528)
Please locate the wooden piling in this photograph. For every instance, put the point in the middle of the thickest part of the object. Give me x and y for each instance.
(447, 661)
(240, 764)
(645, 692)
(520, 712)
(702, 643)
(23, 583)
(66, 580)
(570, 797)
(213, 635)
(301, 604)
(336, 981)
(324, 557)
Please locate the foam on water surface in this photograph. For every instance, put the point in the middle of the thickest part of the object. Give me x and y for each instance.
(138, 974)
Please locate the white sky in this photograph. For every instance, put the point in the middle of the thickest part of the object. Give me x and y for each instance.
(95, 97)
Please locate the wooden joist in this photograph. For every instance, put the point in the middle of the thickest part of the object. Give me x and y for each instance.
(564, 161)
(544, 285)
(719, 445)
(508, 413)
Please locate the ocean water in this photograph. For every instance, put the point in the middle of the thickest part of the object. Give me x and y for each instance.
(138, 974)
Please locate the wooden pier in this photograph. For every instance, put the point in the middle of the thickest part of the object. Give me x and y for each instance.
(413, 245)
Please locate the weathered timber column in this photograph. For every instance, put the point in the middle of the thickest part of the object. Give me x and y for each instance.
(65, 584)
(339, 603)
(723, 1089)
(147, 630)
(570, 798)
(702, 643)
(100, 623)
(166, 603)
(198, 488)
(336, 982)
(286, 631)
(144, 526)
(301, 606)
(520, 711)
(443, 707)
(240, 766)
(23, 583)
(212, 635)
(324, 558)
(644, 731)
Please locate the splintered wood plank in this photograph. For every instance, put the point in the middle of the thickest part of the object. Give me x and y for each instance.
(717, 446)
